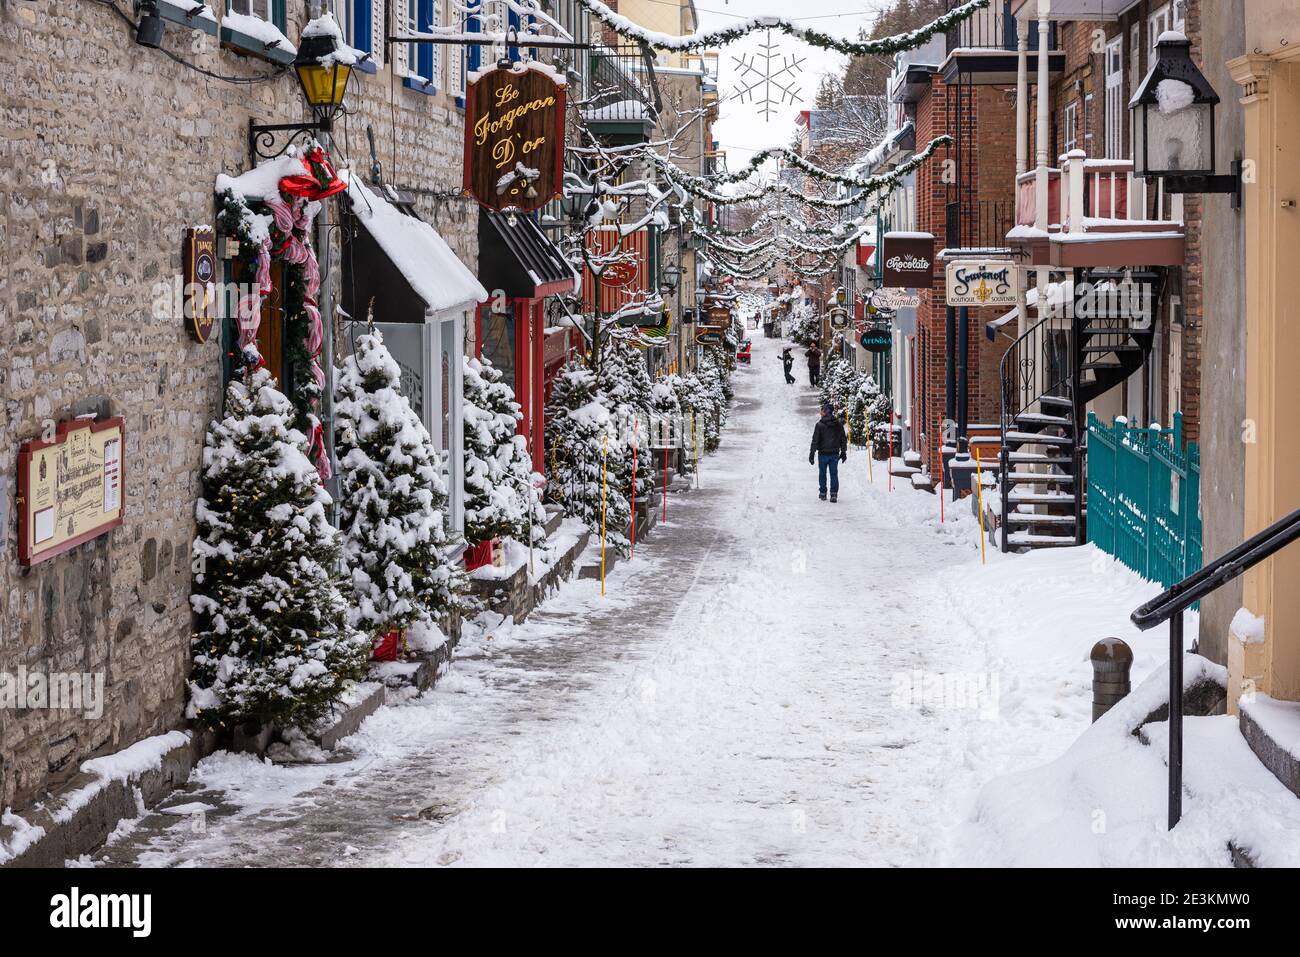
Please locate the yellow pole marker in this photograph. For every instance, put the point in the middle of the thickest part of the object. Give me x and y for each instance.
(603, 485)
(979, 485)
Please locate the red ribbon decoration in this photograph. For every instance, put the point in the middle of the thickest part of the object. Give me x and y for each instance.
(319, 182)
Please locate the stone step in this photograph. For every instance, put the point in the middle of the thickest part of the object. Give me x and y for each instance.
(1272, 729)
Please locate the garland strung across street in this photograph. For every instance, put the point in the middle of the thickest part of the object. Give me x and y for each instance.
(823, 175)
(703, 39)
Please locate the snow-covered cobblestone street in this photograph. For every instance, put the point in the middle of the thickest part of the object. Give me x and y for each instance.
(755, 687)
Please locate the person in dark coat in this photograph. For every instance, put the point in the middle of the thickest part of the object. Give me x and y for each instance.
(787, 361)
(830, 447)
(814, 364)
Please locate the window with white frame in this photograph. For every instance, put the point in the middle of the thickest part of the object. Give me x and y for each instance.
(272, 11)
(1069, 126)
(1115, 98)
(1178, 16)
(360, 21)
(1087, 124)
(418, 61)
(1157, 23)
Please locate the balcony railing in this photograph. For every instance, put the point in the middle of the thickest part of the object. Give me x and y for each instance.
(623, 87)
(1083, 192)
(992, 28)
(979, 225)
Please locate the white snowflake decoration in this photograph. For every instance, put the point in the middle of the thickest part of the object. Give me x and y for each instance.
(768, 78)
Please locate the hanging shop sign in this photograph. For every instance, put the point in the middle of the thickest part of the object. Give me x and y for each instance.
(514, 138)
(720, 316)
(839, 318)
(199, 262)
(620, 274)
(981, 282)
(895, 299)
(70, 487)
(708, 336)
(908, 260)
(877, 340)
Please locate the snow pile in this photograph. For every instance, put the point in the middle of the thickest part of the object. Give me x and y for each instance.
(258, 29)
(326, 26)
(24, 835)
(1174, 95)
(1247, 627)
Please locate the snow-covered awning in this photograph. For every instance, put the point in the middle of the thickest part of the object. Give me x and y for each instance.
(408, 258)
(514, 255)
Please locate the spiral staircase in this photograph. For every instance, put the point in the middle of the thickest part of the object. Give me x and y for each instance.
(1049, 375)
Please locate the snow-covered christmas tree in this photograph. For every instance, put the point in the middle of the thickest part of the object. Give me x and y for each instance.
(393, 503)
(580, 435)
(626, 390)
(501, 497)
(272, 642)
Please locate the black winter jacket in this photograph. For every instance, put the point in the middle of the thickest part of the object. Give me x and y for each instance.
(828, 437)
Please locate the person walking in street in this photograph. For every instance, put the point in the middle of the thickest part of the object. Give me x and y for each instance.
(830, 447)
(814, 364)
(787, 362)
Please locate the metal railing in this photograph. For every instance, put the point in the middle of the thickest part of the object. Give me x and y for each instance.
(982, 224)
(1171, 604)
(1144, 491)
(622, 84)
(993, 28)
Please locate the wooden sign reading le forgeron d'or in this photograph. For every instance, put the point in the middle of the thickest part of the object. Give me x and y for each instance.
(514, 138)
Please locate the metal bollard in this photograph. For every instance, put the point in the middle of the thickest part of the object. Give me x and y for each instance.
(1111, 660)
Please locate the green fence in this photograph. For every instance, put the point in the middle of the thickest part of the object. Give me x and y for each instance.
(1144, 498)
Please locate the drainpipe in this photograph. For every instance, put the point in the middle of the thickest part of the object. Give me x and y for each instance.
(1041, 191)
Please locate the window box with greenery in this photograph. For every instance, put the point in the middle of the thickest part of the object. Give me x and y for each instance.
(256, 27)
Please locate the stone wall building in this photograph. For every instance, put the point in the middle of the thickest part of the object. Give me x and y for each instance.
(109, 152)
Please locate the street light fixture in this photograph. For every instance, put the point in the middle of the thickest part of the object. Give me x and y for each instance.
(149, 31)
(324, 65)
(1173, 124)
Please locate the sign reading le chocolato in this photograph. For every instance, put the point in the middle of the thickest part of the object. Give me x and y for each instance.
(514, 138)
(908, 260)
(982, 282)
(70, 487)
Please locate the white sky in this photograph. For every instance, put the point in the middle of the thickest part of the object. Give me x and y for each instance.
(742, 129)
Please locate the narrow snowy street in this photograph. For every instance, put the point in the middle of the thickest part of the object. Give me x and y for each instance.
(742, 694)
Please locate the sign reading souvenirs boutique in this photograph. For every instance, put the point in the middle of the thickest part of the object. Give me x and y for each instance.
(514, 138)
(908, 261)
(70, 487)
(981, 282)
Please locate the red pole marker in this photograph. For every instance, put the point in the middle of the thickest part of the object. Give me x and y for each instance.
(632, 553)
(665, 485)
(889, 466)
(940, 471)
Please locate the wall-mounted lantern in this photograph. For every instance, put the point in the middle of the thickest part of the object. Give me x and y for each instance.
(1173, 124)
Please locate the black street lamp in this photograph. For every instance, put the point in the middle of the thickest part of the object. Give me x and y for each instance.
(1173, 124)
(323, 66)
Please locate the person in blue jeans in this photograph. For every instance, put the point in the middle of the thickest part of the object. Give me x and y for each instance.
(830, 447)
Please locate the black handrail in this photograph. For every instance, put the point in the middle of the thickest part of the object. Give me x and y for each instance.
(1170, 605)
(1225, 568)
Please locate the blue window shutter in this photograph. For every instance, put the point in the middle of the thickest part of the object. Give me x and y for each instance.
(361, 16)
(472, 25)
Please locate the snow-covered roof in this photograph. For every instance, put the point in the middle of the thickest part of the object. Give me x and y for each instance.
(418, 251)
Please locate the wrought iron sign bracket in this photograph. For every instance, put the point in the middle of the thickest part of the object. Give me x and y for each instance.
(262, 138)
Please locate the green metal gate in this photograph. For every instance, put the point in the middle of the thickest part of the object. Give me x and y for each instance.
(1144, 498)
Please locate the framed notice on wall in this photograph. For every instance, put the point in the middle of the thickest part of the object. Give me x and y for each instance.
(71, 488)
